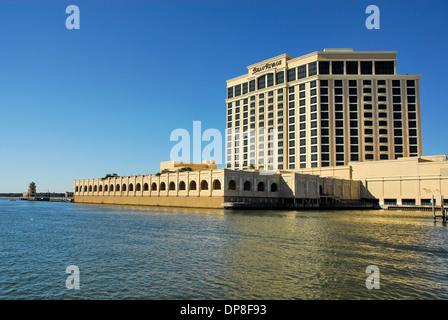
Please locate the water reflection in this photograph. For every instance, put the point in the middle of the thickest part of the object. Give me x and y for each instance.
(176, 253)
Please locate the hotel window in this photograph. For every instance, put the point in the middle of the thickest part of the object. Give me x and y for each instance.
(312, 69)
(366, 67)
(396, 83)
(384, 67)
(270, 79)
(302, 72)
(261, 82)
(324, 67)
(252, 86)
(229, 92)
(237, 90)
(337, 67)
(245, 87)
(292, 74)
(280, 78)
(352, 67)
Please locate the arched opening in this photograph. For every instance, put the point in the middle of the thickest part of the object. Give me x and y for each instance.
(172, 185)
(117, 187)
(100, 188)
(216, 185)
(274, 187)
(154, 186)
(246, 186)
(90, 188)
(105, 187)
(260, 186)
(162, 186)
(204, 185)
(182, 185)
(95, 188)
(124, 187)
(138, 187)
(232, 185)
(321, 191)
(76, 189)
(111, 187)
(193, 185)
(85, 188)
(131, 187)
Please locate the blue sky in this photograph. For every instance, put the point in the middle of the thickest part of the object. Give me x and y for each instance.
(78, 104)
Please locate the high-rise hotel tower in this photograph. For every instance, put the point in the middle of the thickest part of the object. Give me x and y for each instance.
(322, 109)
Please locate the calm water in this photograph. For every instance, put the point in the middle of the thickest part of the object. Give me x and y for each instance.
(152, 253)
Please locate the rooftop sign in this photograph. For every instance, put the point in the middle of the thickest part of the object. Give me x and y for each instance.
(266, 66)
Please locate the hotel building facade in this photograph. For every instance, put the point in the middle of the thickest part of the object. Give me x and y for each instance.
(322, 109)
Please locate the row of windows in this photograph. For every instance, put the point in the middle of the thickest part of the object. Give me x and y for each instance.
(311, 69)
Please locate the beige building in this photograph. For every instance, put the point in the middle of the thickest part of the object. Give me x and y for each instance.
(221, 188)
(405, 181)
(322, 109)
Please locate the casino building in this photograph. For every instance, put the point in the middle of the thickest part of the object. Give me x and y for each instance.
(334, 128)
(323, 109)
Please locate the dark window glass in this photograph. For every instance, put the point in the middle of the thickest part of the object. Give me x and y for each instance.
(337, 67)
(270, 79)
(262, 82)
(396, 83)
(230, 92)
(338, 83)
(366, 67)
(411, 90)
(280, 77)
(292, 74)
(324, 67)
(384, 67)
(252, 86)
(352, 67)
(302, 72)
(312, 69)
(237, 90)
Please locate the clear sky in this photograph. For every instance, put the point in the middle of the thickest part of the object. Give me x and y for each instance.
(78, 104)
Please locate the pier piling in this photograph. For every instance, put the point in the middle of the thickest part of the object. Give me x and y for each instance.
(433, 207)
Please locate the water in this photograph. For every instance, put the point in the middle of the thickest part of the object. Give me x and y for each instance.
(156, 253)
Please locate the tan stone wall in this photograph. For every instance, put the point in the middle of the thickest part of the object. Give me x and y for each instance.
(403, 179)
(190, 202)
(208, 188)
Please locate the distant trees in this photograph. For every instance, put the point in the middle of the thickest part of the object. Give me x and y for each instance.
(109, 175)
